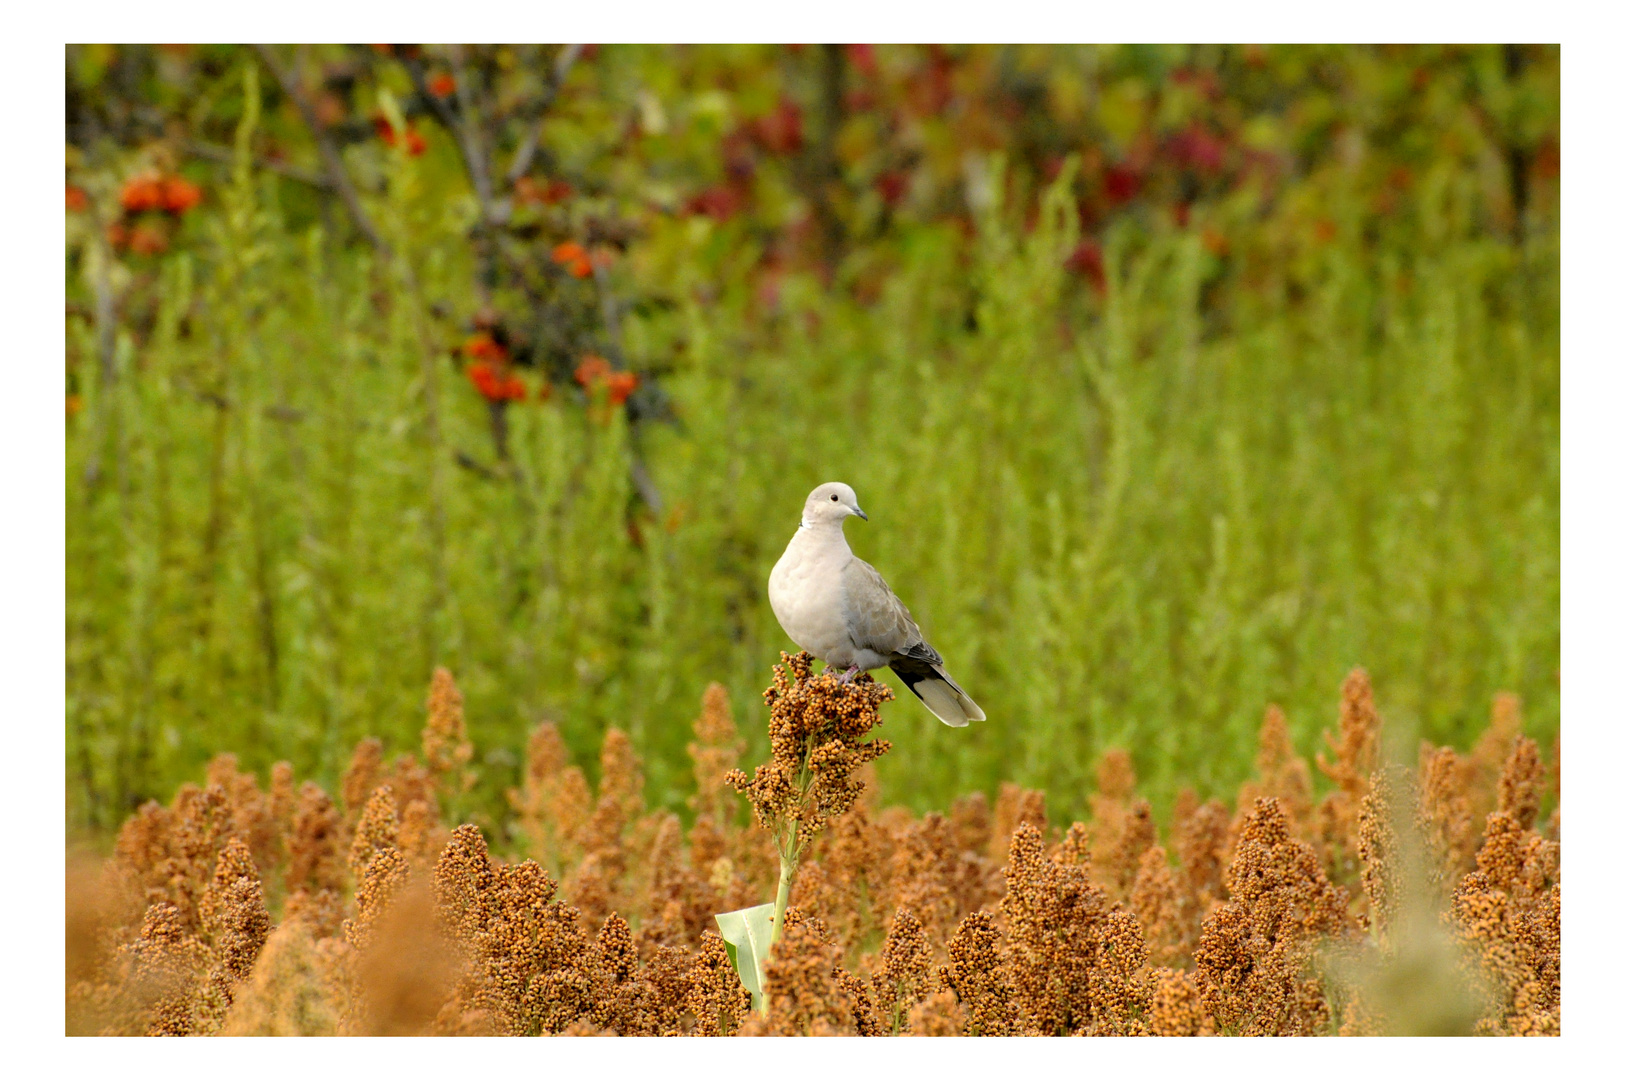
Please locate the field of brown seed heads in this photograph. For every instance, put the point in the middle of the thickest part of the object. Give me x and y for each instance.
(1408, 899)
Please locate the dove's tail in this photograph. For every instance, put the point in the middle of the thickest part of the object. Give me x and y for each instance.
(939, 693)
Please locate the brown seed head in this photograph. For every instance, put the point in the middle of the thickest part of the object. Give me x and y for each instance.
(447, 750)
(377, 830)
(362, 777)
(1519, 787)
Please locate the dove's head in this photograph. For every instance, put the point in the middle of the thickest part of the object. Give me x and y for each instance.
(830, 504)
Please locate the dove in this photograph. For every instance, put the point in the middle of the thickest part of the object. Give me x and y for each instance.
(837, 607)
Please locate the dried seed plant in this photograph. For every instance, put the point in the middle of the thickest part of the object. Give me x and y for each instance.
(1355, 755)
(447, 750)
(1409, 976)
(1445, 814)
(816, 731)
(1507, 911)
(239, 909)
(1255, 947)
(1283, 774)
(1121, 823)
(1073, 954)
(555, 800)
(716, 752)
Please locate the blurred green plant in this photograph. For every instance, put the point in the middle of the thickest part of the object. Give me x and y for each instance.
(1177, 381)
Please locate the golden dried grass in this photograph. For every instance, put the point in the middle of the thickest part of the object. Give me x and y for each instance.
(1287, 917)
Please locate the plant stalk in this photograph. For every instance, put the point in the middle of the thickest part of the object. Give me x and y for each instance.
(787, 874)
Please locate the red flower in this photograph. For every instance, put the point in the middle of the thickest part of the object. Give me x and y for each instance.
(144, 192)
(77, 199)
(484, 347)
(721, 203)
(622, 384)
(180, 195)
(780, 132)
(591, 370)
(1086, 260)
(1198, 148)
(527, 190)
(893, 186)
(594, 371)
(118, 235)
(573, 257)
(443, 85)
(862, 57)
(486, 380)
(415, 144)
(494, 385)
(1122, 183)
(75, 403)
(146, 239)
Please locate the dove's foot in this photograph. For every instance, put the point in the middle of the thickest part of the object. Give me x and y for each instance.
(848, 675)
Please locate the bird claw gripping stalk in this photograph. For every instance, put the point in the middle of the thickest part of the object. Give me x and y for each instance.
(817, 726)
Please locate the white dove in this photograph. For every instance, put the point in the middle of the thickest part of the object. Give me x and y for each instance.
(835, 605)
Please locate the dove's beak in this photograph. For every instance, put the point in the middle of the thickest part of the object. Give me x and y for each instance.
(860, 513)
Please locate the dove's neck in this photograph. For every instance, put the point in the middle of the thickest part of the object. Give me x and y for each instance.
(821, 536)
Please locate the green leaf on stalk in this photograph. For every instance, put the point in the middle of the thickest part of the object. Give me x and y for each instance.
(747, 933)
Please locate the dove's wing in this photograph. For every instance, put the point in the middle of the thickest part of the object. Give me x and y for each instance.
(877, 620)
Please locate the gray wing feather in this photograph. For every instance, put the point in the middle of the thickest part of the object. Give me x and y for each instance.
(877, 619)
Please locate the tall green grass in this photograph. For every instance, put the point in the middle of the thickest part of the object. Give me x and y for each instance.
(1128, 520)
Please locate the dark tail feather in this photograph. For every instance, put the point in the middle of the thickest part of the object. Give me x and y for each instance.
(938, 692)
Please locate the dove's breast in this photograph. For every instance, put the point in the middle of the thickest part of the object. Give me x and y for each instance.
(805, 593)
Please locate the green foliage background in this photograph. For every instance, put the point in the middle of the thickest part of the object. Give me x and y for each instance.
(1128, 516)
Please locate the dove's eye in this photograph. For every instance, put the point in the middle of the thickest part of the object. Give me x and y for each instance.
(834, 499)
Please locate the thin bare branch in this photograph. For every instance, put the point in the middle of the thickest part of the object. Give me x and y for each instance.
(534, 111)
(334, 165)
(225, 155)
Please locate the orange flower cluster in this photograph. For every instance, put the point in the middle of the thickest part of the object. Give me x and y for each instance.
(239, 909)
(595, 371)
(413, 141)
(574, 258)
(150, 204)
(528, 192)
(151, 191)
(491, 372)
(494, 385)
